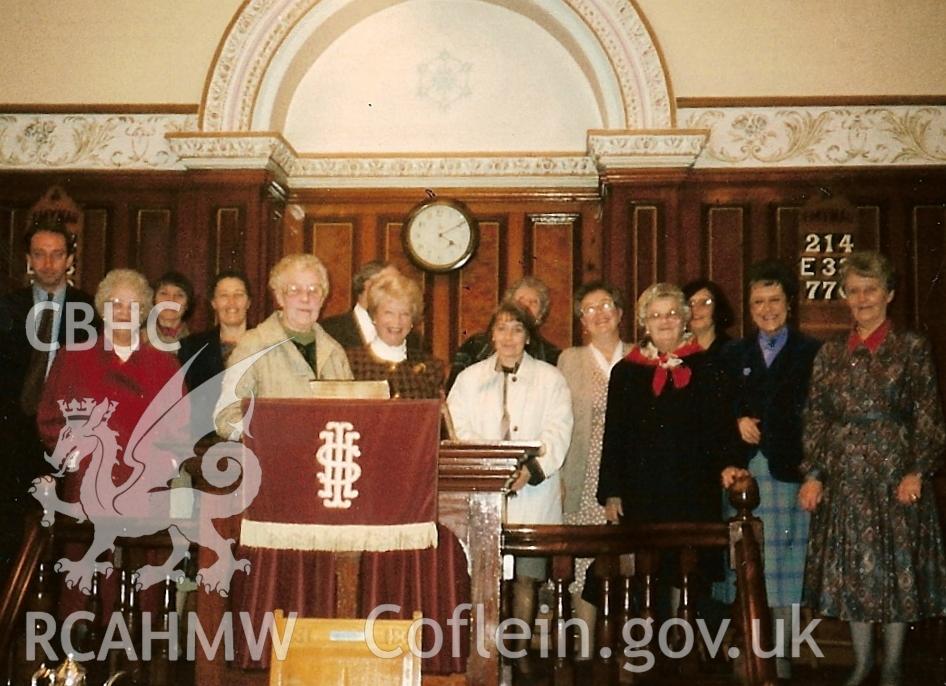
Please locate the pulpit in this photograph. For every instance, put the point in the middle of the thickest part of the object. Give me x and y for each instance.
(459, 487)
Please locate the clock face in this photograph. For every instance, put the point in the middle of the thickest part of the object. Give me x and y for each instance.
(440, 236)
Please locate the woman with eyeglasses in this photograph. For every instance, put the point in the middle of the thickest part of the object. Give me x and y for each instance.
(770, 370)
(587, 368)
(300, 285)
(123, 369)
(395, 305)
(669, 429)
(710, 314)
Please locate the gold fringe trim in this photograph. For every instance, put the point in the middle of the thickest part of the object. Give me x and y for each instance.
(283, 536)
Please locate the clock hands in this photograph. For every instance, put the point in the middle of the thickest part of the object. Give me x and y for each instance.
(456, 226)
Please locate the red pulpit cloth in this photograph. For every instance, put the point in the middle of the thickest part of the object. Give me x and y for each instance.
(344, 475)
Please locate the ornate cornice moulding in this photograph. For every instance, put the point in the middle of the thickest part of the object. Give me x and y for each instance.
(90, 141)
(671, 148)
(235, 151)
(840, 136)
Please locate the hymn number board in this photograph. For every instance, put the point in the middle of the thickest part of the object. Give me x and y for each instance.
(828, 233)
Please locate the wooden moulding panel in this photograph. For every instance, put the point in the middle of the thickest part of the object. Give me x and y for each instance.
(153, 240)
(230, 238)
(332, 243)
(725, 252)
(553, 250)
(479, 290)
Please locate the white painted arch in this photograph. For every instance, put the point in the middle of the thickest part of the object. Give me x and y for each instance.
(276, 54)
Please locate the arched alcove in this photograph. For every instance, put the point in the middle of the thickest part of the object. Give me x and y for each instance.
(427, 76)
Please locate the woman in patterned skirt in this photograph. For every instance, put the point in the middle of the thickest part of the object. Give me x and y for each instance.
(395, 304)
(599, 307)
(874, 434)
(770, 371)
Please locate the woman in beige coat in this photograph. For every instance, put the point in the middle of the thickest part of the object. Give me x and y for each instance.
(304, 353)
(587, 369)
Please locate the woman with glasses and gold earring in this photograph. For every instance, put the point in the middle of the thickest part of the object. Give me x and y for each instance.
(669, 429)
(587, 368)
(710, 314)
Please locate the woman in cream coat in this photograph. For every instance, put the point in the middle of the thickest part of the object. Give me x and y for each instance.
(306, 353)
(537, 406)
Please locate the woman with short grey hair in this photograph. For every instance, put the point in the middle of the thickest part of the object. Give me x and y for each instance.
(669, 430)
(874, 436)
(304, 353)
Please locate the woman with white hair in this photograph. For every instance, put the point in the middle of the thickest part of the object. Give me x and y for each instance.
(119, 367)
(306, 353)
(669, 426)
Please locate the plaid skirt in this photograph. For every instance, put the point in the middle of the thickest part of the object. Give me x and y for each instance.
(785, 527)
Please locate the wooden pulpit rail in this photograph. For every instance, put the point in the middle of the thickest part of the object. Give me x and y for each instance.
(605, 543)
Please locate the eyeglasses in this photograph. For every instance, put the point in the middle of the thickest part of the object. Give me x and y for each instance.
(657, 316)
(604, 306)
(115, 302)
(296, 291)
(704, 302)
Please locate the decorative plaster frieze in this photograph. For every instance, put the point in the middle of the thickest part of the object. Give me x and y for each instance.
(249, 151)
(549, 170)
(90, 141)
(636, 150)
(820, 136)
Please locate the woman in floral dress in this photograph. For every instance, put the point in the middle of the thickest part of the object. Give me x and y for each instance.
(874, 434)
(599, 307)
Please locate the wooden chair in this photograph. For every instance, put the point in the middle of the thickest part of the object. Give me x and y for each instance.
(336, 651)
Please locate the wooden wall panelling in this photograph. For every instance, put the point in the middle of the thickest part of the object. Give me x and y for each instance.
(555, 241)
(725, 247)
(478, 283)
(153, 227)
(928, 278)
(643, 257)
(96, 249)
(333, 243)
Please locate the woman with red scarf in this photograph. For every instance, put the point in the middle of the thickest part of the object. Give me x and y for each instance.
(669, 427)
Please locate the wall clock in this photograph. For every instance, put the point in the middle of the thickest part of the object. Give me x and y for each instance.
(440, 235)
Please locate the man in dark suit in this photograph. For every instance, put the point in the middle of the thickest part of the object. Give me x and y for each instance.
(354, 329)
(50, 253)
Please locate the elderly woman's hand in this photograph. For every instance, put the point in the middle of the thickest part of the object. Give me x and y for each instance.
(749, 430)
(910, 489)
(809, 495)
(522, 478)
(613, 510)
(730, 474)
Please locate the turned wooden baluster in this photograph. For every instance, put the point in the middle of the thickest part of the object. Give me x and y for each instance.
(91, 636)
(646, 563)
(745, 537)
(128, 659)
(626, 611)
(562, 632)
(689, 663)
(41, 599)
(160, 669)
(607, 629)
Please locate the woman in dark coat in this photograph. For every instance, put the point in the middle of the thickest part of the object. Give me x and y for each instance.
(874, 435)
(770, 370)
(669, 428)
